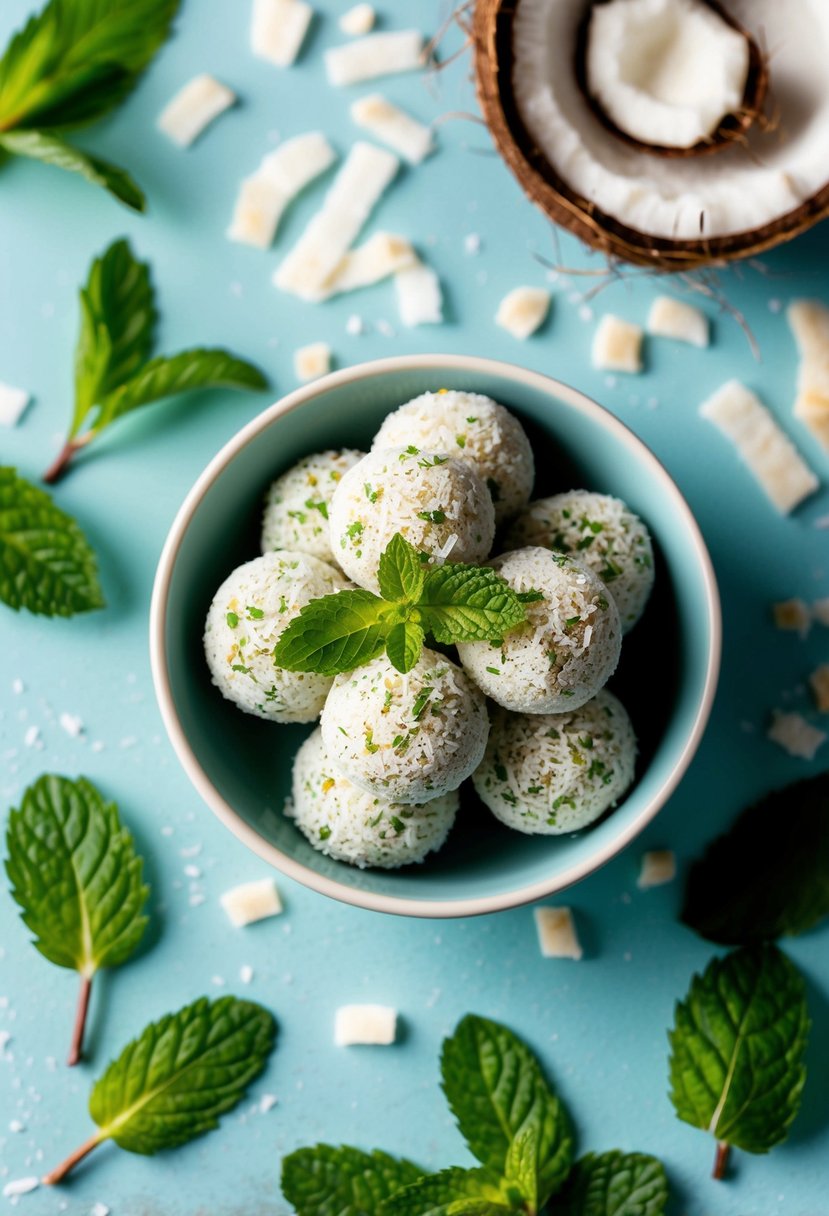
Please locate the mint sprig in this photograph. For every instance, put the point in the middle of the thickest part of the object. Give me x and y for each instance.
(172, 1083)
(114, 374)
(453, 1192)
(737, 1051)
(47, 565)
(341, 1181)
(76, 877)
(455, 603)
(69, 66)
(615, 1184)
(768, 875)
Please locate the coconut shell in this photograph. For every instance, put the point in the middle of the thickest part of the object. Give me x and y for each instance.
(540, 181)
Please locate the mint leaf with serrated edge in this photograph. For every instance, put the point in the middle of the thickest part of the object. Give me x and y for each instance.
(468, 603)
(335, 633)
(521, 1168)
(46, 563)
(497, 1091)
(768, 875)
(172, 1083)
(615, 1184)
(400, 572)
(452, 1192)
(76, 877)
(69, 65)
(342, 1181)
(404, 644)
(114, 374)
(737, 1050)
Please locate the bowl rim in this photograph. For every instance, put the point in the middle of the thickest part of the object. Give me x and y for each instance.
(374, 901)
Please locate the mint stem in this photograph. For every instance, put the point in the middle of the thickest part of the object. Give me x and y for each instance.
(60, 464)
(721, 1160)
(76, 1046)
(59, 1173)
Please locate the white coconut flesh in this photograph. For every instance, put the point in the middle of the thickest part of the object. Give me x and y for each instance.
(667, 72)
(739, 189)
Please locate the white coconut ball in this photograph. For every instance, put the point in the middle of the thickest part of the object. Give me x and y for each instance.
(249, 611)
(346, 823)
(545, 774)
(603, 533)
(406, 737)
(474, 429)
(296, 504)
(438, 504)
(567, 648)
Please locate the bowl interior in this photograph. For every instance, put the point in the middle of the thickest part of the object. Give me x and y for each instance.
(662, 678)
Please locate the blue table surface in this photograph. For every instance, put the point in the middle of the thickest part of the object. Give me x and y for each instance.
(599, 1025)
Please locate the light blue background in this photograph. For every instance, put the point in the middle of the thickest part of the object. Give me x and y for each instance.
(599, 1025)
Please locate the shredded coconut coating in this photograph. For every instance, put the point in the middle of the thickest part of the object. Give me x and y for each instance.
(249, 611)
(474, 429)
(408, 738)
(346, 823)
(567, 648)
(546, 774)
(297, 504)
(438, 504)
(602, 533)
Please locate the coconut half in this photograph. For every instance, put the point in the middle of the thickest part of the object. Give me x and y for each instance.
(672, 213)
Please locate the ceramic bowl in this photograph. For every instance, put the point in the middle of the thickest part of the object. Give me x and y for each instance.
(241, 765)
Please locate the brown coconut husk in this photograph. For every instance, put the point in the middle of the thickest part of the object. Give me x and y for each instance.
(492, 41)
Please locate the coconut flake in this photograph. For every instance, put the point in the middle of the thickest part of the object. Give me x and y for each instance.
(264, 196)
(358, 20)
(72, 724)
(795, 735)
(669, 318)
(375, 55)
(809, 321)
(658, 868)
(393, 126)
(557, 937)
(820, 611)
(251, 901)
(523, 310)
(379, 257)
(364, 176)
(365, 1024)
(20, 1186)
(617, 345)
(13, 402)
(419, 298)
(765, 449)
(792, 616)
(312, 361)
(819, 683)
(278, 29)
(193, 108)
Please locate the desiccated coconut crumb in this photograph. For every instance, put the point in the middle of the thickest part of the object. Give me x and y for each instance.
(246, 973)
(557, 937)
(795, 735)
(267, 1102)
(251, 901)
(657, 868)
(278, 29)
(792, 616)
(523, 310)
(819, 681)
(72, 724)
(20, 1186)
(312, 361)
(358, 20)
(419, 297)
(617, 345)
(13, 402)
(374, 1025)
(194, 107)
(99, 1209)
(669, 318)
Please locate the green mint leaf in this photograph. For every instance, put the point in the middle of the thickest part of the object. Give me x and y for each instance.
(452, 1192)
(615, 1184)
(737, 1049)
(769, 874)
(52, 150)
(468, 604)
(497, 1091)
(46, 563)
(335, 633)
(329, 1181)
(171, 1084)
(521, 1168)
(404, 644)
(118, 317)
(400, 572)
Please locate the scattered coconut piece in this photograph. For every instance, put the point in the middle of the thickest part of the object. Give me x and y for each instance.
(419, 297)
(251, 901)
(365, 1024)
(669, 318)
(523, 310)
(657, 869)
(264, 196)
(375, 55)
(312, 361)
(358, 20)
(819, 682)
(193, 108)
(393, 126)
(278, 29)
(617, 345)
(769, 453)
(365, 174)
(809, 321)
(557, 937)
(20, 1186)
(246, 973)
(792, 616)
(267, 1102)
(379, 257)
(795, 735)
(13, 402)
(820, 612)
(72, 724)
(99, 1209)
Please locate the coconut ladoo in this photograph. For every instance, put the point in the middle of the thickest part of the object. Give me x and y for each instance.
(586, 164)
